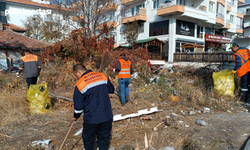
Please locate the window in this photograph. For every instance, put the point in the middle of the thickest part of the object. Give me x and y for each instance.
(239, 23)
(2, 6)
(211, 6)
(138, 8)
(220, 11)
(122, 37)
(177, 48)
(233, 2)
(141, 27)
(2, 12)
(132, 11)
(181, 2)
(199, 32)
(158, 28)
(156, 4)
(232, 18)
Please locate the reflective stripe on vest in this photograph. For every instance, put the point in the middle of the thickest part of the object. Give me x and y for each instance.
(29, 58)
(244, 55)
(125, 69)
(90, 80)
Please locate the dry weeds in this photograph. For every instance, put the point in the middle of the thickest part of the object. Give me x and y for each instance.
(194, 89)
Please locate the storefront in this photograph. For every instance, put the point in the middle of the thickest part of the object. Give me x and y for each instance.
(216, 43)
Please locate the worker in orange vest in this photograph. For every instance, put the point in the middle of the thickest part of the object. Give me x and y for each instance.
(241, 57)
(32, 67)
(91, 97)
(124, 69)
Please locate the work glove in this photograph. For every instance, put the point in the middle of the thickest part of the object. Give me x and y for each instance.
(39, 71)
(233, 72)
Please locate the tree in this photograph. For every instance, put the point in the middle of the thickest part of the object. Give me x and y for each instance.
(89, 14)
(33, 25)
(131, 33)
(50, 29)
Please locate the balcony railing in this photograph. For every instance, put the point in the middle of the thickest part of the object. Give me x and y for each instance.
(220, 15)
(239, 26)
(141, 11)
(241, 11)
(186, 4)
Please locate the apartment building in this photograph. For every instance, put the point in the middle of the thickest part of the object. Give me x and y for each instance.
(177, 22)
(15, 12)
(244, 38)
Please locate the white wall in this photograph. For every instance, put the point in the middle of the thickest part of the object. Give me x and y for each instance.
(18, 18)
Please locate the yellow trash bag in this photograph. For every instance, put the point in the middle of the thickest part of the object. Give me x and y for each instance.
(224, 82)
(39, 98)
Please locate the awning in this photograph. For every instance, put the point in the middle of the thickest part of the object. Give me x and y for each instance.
(148, 40)
(190, 40)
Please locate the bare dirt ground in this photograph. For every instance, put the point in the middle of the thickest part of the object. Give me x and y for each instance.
(227, 129)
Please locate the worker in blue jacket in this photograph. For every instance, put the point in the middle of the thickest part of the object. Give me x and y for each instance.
(91, 96)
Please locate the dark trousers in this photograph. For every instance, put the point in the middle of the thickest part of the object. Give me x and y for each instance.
(245, 81)
(103, 133)
(30, 81)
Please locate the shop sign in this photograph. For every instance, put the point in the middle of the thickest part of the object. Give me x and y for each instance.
(217, 38)
(184, 28)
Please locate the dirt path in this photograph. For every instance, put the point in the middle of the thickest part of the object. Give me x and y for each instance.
(225, 131)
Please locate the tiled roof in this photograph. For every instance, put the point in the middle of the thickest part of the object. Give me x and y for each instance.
(29, 2)
(14, 27)
(11, 39)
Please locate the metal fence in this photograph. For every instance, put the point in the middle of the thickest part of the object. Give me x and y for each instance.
(204, 57)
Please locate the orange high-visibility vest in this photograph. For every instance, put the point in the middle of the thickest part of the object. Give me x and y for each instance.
(90, 80)
(125, 69)
(244, 55)
(29, 58)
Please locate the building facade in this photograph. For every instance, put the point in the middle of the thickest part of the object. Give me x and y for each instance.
(16, 12)
(244, 38)
(177, 22)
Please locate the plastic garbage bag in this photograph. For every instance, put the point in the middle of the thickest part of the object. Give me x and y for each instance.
(38, 96)
(224, 82)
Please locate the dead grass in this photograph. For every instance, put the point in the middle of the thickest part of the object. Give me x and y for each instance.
(194, 89)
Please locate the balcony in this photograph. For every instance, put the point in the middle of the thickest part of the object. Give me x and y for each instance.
(176, 9)
(239, 28)
(109, 24)
(219, 19)
(129, 2)
(229, 8)
(108, 7)
(241, 1)
(240, 15)
(139, 16)
(222, 2)
(186, 8)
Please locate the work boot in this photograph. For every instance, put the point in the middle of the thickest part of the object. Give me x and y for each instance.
(244, 97)
(127, 99)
